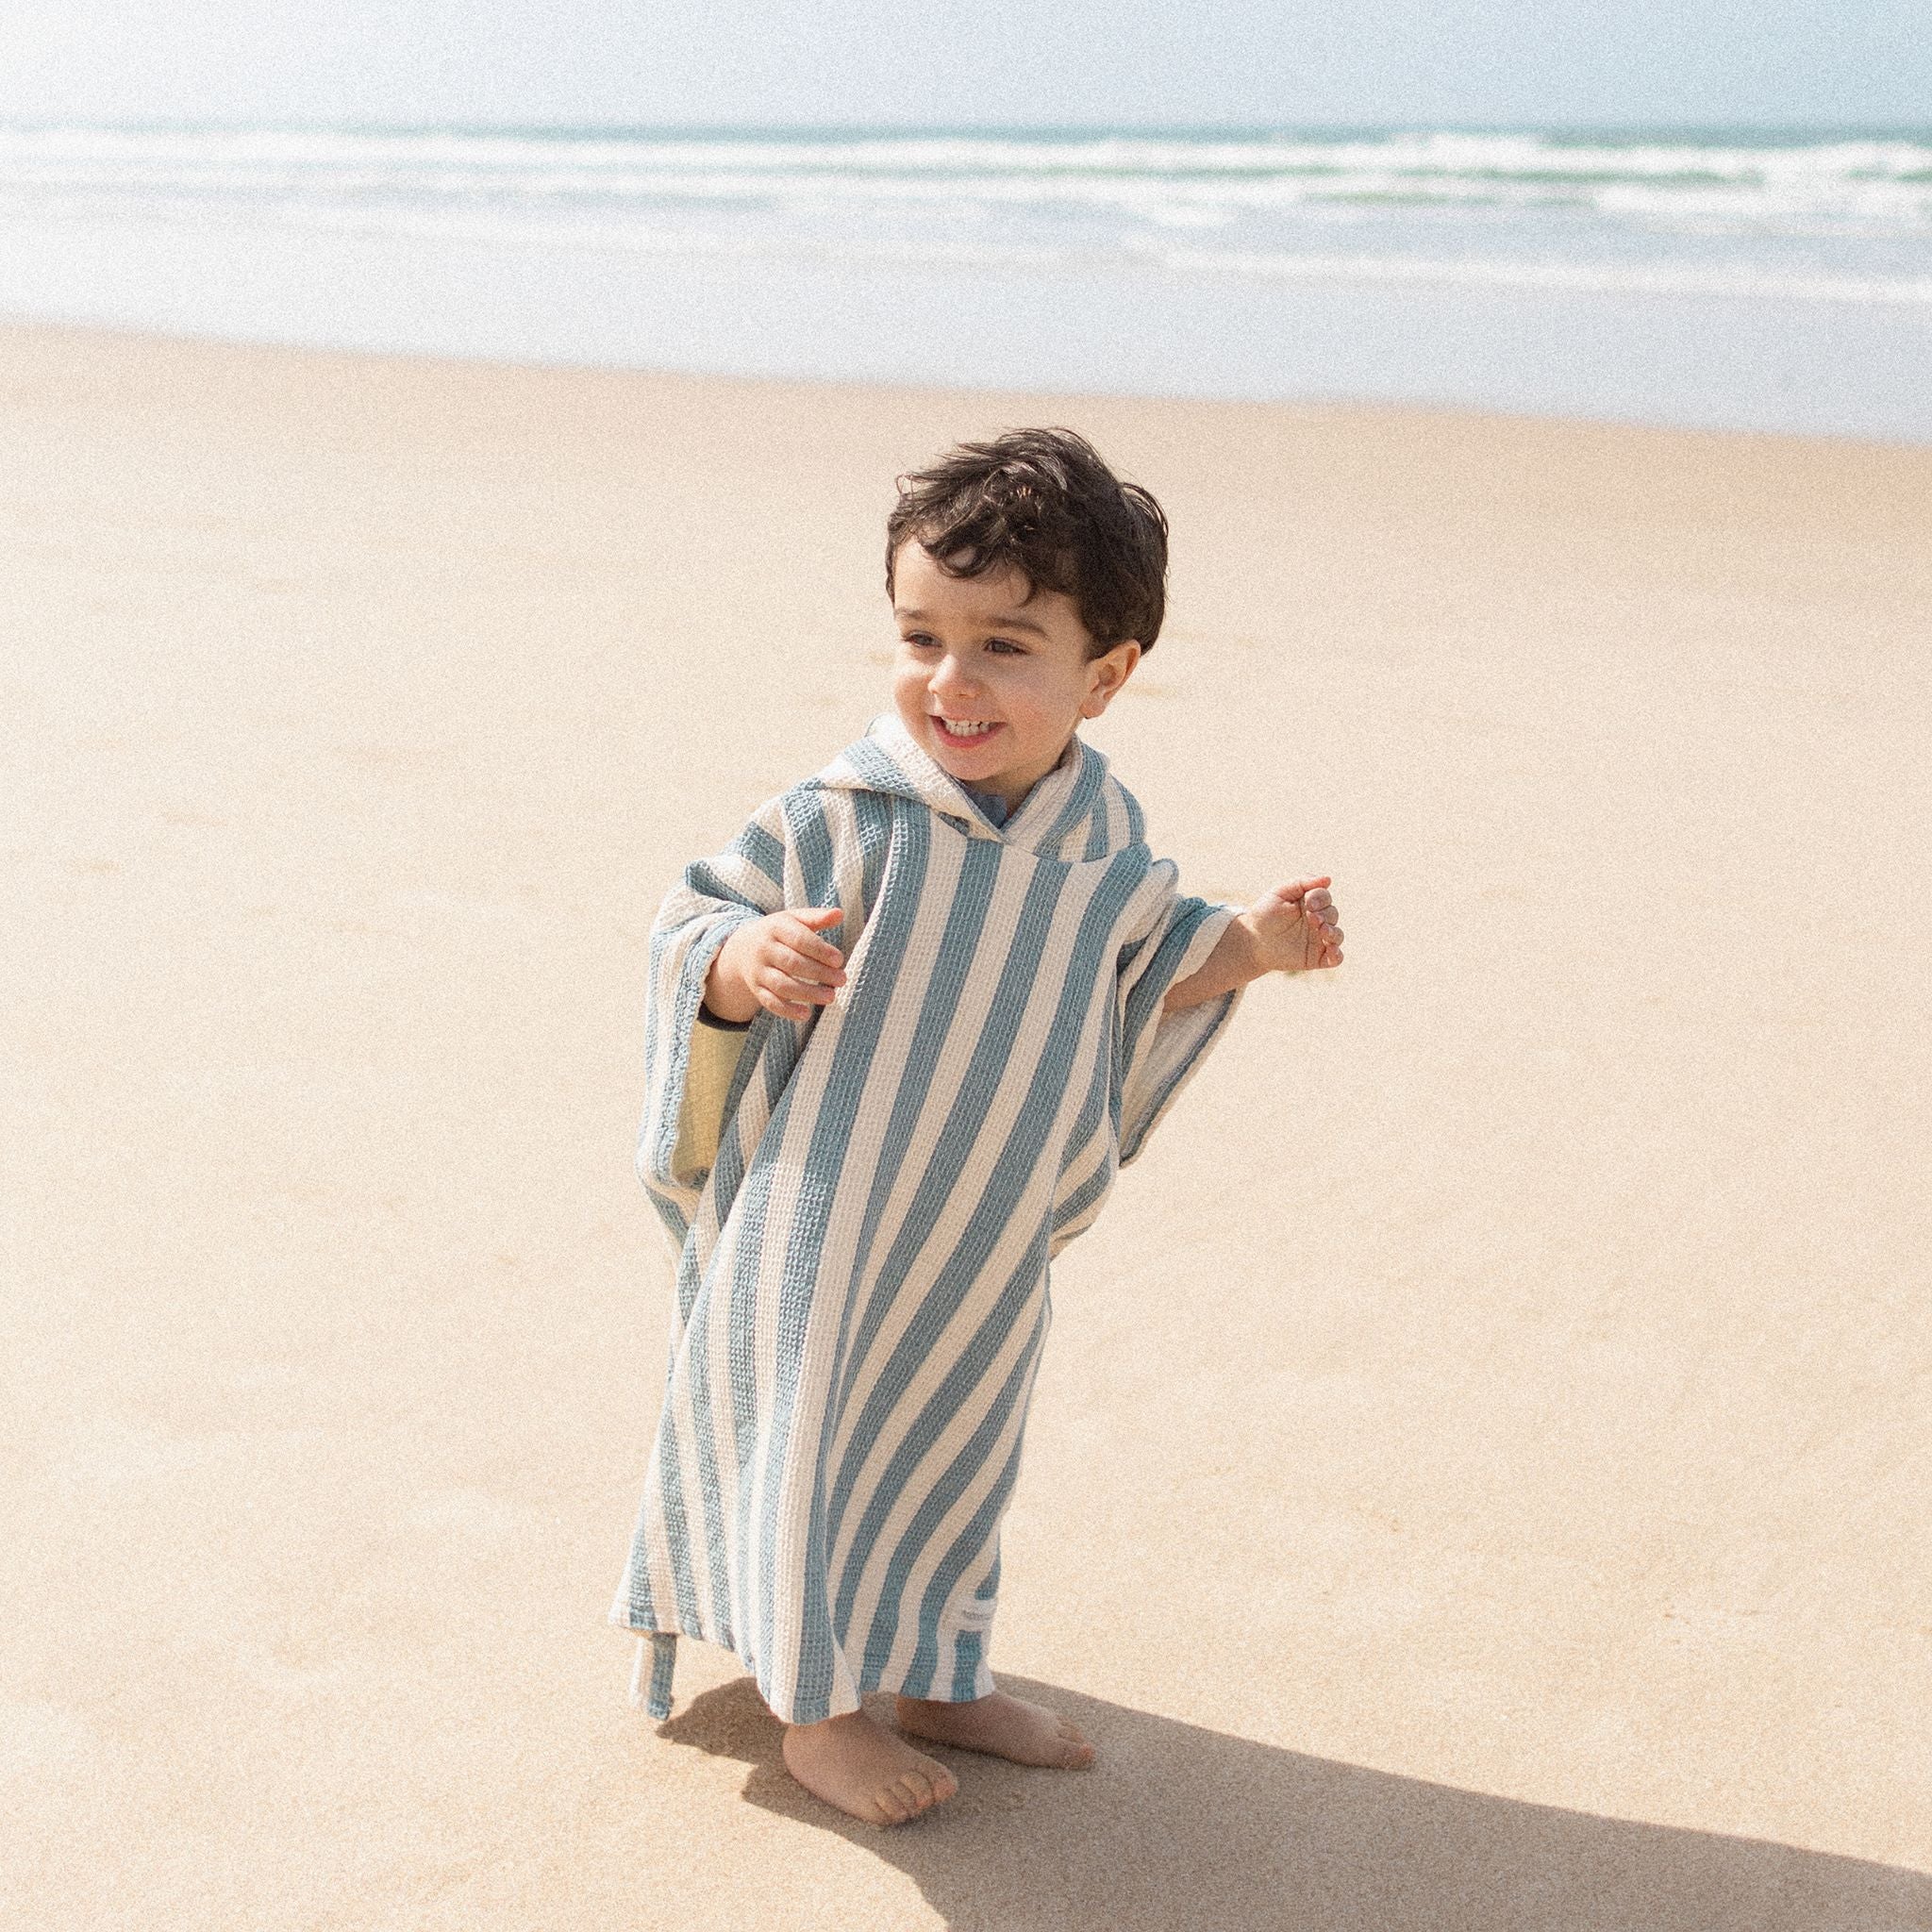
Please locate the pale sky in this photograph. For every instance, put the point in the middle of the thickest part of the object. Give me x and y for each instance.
(1002, 63)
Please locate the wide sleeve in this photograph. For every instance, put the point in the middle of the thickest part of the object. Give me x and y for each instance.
(1156, 1052)
(691, 1063)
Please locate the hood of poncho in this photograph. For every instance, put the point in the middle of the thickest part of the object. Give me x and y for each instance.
(1078, 810)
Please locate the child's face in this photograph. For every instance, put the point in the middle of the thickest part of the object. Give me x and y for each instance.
(978, 651)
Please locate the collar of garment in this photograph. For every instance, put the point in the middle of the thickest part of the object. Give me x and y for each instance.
(887, 759)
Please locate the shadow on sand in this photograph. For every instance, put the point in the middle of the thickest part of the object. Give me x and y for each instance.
(1184, 1827)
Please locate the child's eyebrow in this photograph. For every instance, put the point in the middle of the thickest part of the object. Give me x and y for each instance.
(1011, 621)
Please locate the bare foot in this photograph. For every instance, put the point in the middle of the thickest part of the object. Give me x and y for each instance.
(861, 1768)
(1006, 1726)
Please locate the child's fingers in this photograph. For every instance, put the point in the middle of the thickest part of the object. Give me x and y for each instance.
(807, 993)
(774, 1000)
(809, 999)
(1303, 896)
(791, 930)
(812, 968)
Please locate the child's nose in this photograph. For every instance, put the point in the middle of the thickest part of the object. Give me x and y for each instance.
(950, 675)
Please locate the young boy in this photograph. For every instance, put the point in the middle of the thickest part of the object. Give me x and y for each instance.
(867, 1152)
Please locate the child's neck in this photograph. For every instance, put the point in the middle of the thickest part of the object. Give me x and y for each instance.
(1014, 795)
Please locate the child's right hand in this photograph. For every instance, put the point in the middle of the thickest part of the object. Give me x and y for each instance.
(777, 962)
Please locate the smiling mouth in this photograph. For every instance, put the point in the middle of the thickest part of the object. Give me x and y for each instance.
(960, 731)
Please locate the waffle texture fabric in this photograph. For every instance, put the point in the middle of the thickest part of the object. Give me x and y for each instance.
(864, 1206)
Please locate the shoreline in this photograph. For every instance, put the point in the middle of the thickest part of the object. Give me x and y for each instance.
(966, 395)
(1708, 358)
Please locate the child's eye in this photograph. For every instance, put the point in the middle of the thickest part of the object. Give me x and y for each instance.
(1006, 647)
(918, 640)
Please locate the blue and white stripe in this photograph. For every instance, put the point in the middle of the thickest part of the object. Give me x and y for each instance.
(862, 1266)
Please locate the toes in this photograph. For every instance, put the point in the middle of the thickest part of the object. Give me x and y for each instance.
(908, 1794)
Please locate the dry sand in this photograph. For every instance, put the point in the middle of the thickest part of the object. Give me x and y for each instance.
(1479, 1476)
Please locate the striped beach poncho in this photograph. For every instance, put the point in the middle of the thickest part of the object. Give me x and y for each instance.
(864, 1206)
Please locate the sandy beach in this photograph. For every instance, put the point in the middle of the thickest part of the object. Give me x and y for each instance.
(1478, 1476)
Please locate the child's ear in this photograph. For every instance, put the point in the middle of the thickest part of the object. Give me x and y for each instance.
(1105, 674)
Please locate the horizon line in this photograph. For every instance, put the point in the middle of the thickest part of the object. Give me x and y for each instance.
(928, 130)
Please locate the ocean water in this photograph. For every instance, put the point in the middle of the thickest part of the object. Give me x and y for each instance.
(1744, 279)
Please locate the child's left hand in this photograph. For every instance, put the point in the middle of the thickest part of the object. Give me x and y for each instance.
(1293, 927)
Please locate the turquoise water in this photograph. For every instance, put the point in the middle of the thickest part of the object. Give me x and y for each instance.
(1744, 279)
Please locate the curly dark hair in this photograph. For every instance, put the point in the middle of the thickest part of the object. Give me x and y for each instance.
(1042, 502)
